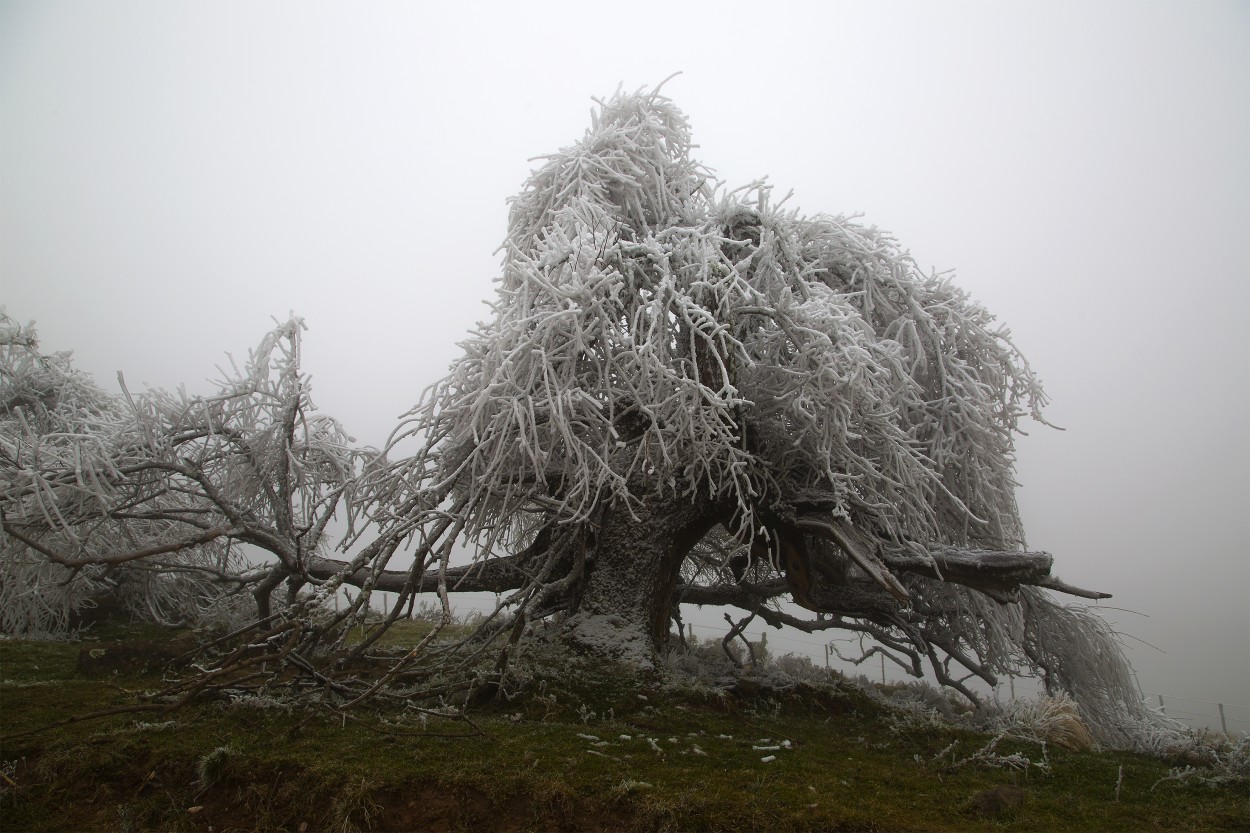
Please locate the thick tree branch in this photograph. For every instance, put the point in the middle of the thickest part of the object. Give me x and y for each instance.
(493, 575)
(996, 573)
(863, 550)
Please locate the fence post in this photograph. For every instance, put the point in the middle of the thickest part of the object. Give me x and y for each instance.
(1162, 708)
(826, 655)
(883, 669)
(1012, 682)
(1223, 722)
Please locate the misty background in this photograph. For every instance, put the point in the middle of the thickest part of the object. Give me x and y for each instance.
(173, 175)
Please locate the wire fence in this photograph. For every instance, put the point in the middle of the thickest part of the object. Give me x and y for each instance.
(1231, 719)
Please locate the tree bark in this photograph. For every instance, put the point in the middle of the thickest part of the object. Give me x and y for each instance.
(622, 606)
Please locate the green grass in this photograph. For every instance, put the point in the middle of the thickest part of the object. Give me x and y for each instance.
(212, 766)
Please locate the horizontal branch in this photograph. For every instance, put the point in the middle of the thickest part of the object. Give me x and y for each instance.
(996, 573)
(1054, 583)
(493, 575)
(856, 598)
(729, 594)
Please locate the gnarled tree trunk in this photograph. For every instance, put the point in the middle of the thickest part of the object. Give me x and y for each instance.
(622, 606)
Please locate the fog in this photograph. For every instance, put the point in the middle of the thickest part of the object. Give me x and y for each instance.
(173, 175)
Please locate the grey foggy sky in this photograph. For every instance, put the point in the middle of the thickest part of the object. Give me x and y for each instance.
(174, 174)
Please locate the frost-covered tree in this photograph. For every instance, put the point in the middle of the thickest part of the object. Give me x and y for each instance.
(684, 395)
(152, 500)
(691, 395)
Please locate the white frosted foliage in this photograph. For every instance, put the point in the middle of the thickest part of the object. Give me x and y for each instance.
(635, 295)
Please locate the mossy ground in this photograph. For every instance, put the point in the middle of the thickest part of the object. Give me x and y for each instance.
(553, 761)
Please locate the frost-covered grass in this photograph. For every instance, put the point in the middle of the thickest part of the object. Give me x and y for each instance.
(775, 750)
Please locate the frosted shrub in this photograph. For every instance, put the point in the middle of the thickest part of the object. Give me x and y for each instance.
(1219, 760)
(705, 662)
(1048, 719)
(797, 667)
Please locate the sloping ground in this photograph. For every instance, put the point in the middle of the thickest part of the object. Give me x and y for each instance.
(754, 760)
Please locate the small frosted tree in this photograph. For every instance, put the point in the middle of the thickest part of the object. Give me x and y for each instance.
(148, 501)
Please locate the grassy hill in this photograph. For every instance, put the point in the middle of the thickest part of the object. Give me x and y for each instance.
(747, 758)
